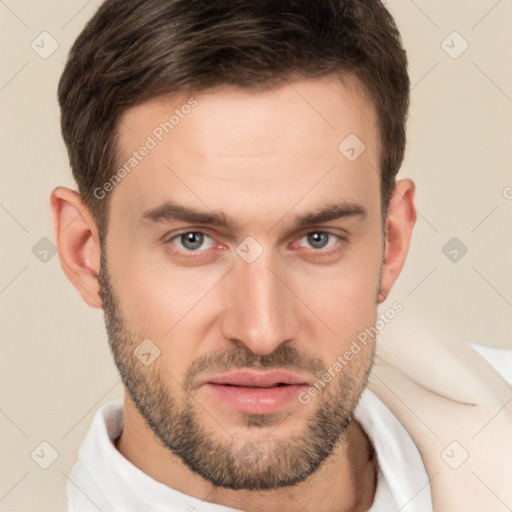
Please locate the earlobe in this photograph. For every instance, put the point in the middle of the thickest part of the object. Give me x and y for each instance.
(78, 245)
(400, 223)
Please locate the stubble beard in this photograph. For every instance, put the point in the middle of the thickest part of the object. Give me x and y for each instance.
(261, 464)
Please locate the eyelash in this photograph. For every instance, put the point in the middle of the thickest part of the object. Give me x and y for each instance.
(335, 249)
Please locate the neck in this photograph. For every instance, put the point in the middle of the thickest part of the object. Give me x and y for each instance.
(345, 482)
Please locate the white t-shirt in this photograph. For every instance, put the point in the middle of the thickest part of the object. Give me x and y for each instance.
(102, 479)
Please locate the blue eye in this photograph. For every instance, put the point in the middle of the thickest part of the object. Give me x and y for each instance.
(319, 239)
(196, 242)
(191, 241)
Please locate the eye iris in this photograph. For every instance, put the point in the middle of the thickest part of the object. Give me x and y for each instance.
(192, 240)
(318, 239)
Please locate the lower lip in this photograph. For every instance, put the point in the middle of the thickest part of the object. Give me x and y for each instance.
(255, 400)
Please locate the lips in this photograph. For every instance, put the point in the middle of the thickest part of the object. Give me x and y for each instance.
(255, 391)
(258, 379)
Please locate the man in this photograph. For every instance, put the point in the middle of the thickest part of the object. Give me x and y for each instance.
(238, 220)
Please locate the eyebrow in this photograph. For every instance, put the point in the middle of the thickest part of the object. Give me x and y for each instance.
(171, 211)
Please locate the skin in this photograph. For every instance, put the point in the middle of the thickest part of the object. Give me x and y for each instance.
(263, 159)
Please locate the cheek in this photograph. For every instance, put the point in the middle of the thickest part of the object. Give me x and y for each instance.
(170, 305)
(166, 304)
(154, 293)
(344, 298)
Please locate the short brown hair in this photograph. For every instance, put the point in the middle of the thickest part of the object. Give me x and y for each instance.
(131, 51)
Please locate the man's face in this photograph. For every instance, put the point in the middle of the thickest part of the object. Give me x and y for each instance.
(248, 314)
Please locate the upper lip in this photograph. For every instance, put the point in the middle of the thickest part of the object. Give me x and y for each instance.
(255, 378)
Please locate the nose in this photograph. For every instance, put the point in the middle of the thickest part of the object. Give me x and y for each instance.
(260, 310)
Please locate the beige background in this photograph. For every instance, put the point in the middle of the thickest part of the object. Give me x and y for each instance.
(56, 368)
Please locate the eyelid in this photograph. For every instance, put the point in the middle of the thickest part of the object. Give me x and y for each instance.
(181, 231)
(335, 231)
(168, 238)
(333, 248)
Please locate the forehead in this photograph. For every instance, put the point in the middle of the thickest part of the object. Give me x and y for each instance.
(237, 148)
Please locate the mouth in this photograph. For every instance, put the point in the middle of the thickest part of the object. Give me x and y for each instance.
(255, 391)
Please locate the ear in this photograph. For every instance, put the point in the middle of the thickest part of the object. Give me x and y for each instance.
(399, 223)
(77, 242)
